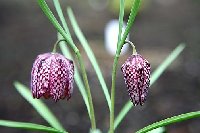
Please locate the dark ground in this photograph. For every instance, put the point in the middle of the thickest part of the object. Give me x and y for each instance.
(25, 32)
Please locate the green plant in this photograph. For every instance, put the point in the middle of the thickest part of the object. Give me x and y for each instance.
(64, 34)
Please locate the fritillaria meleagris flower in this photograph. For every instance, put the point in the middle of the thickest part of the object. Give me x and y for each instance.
(136, 71)
(52, 76)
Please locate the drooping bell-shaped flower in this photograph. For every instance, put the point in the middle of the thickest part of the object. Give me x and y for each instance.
(136, 72)
(52, 76)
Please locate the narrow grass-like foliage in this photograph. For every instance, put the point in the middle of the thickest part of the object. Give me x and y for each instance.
(168, 121)
(59, 28)
(82, 83)
(155, 75)
(65, 50)
(39, 106)
(134, 10)
(29, 126)
(90, 54)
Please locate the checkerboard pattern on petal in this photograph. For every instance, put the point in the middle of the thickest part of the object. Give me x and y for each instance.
(52, 76)
(136, 72)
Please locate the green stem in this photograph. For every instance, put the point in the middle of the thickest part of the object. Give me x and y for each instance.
(131, 19)
(67, 53)
(112, 112)
(154, 77)
(122, 113)
(85, 79)
(67, 38)
(121, 16)
(56, 44)
(132, 45)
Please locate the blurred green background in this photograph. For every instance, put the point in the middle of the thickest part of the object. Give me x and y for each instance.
(159, 27)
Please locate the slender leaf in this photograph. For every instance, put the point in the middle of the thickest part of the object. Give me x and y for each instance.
(77, 76)
(127, 107)
(158, 130)
(62, 18)
(65, 50)
(133, 13)
(54, 21)
(121, 16)
(39, 106)
(95, 131)
(90, 54)
(156, 74)
(161, 68)
(168, 121)
(134, 10)
(29, 126)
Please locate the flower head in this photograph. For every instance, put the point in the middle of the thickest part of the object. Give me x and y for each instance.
(136, 71)
(52, 76)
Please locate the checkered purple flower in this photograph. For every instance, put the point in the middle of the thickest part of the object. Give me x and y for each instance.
(136, 71)
(52, 76)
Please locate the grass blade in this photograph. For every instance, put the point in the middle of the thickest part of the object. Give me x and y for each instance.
(29, 126)
(133, 13)
(122, 113)
(156, 74)
(168, 121)
(53, 20)
(62, 18)
(39, 106)
(134, 10)
(77, 76)
(158, 130)
(90, 54)
(121, 16)
(65, 50)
